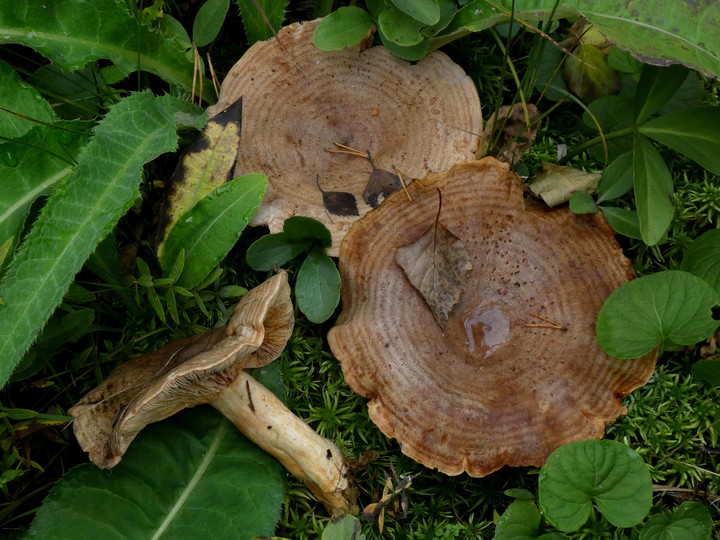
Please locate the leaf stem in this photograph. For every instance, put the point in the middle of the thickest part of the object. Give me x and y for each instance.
(596, 140)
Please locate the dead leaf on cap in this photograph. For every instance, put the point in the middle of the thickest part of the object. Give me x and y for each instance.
(436, 264)
(340, 203)
(556, 184)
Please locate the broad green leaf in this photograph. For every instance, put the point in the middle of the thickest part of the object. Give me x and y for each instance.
(343, 28)
(623, 61)
(72, 33)
(411, 54)
(653, 191)
(548, 72)
(425, 11)
(344, 528)
(448, 9)
(520, 521)
(520, 493)
(689, 521)
(617, 179)
(708, 371)
(92, 199)
(693, 132)
(208, 21)
(32, 165)
(702, 258)
(317, 288)
(173, 29)
(588, 75)
(656, 86)
(206, 164)
(603, 473)
(582, 202)
(256, 27)
(300, 228)
(17, 96)
(191, 476)
(614, 113)
(399, 28)
(668, 307)
(210, 229)
(274, 250)
(623, 221)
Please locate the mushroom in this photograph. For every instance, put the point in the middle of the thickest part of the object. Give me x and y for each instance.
(208, 368)
(298, 101)
(515, 371)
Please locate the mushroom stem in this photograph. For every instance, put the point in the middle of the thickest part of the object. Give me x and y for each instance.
(312, 459)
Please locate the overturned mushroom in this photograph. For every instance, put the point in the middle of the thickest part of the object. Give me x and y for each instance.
(298, 101)
(208, 368)
(515, 370)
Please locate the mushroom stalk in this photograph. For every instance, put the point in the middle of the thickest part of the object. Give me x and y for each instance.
(312, 459)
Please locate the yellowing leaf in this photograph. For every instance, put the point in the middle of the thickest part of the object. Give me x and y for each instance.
(206, 165)
(437, 264)
(556, 184)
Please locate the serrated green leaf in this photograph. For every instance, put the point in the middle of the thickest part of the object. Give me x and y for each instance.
(425, 11)
(92, 199)
(191, 476)
(653, 187)
(668, 307)
(256, 27)
(317, 288)
(274, 249)
(208, 21)
(689, 521)
(343, 28)
(74, 32)
(702, 258)
(623, 221)
(300, 229)
(210, 229)
(707, 370)
(582, 202)
(655, 87)
(399, 28)
(18, 97)
(693, 132)
(617, 179)
(604, 473)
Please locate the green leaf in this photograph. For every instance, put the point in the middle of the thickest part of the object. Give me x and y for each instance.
(689, 521)
(617, 179)
(208, 21)
(344, 528)
(72, 33)
(273, 249)
(656, 86)
(16, 96)
(399, 28)
(256, 27)
(191, 476)
(693, 132)
(588, 75)
(520, 521)
(317, 288)
(613, 113)
(604, 473)
(668, 307)
(80, 214)
(653, 191)
(702, 258)
(210, 229)
(343, 28)
(300, 228)
(708, 371)
(411, 54)
(448, 9)
(623, 221)
(425, 11)
(581, 202)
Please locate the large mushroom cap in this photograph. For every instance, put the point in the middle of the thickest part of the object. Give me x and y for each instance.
(299, 100)
(484, 390)
(183, 373)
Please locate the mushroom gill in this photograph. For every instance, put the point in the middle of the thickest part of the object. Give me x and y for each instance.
(298, 101)
(516, 370)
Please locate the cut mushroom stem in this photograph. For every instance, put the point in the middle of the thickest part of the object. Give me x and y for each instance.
(312, 459)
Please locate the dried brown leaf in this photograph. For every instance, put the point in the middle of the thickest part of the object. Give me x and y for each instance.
(437, 264)
(556, 184)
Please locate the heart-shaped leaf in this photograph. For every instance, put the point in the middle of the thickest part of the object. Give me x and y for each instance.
(702, 258)
(668, 307)
(604, 473)
(689, 521)
(192, 476)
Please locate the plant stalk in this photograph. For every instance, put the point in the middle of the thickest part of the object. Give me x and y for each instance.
(597, 140)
